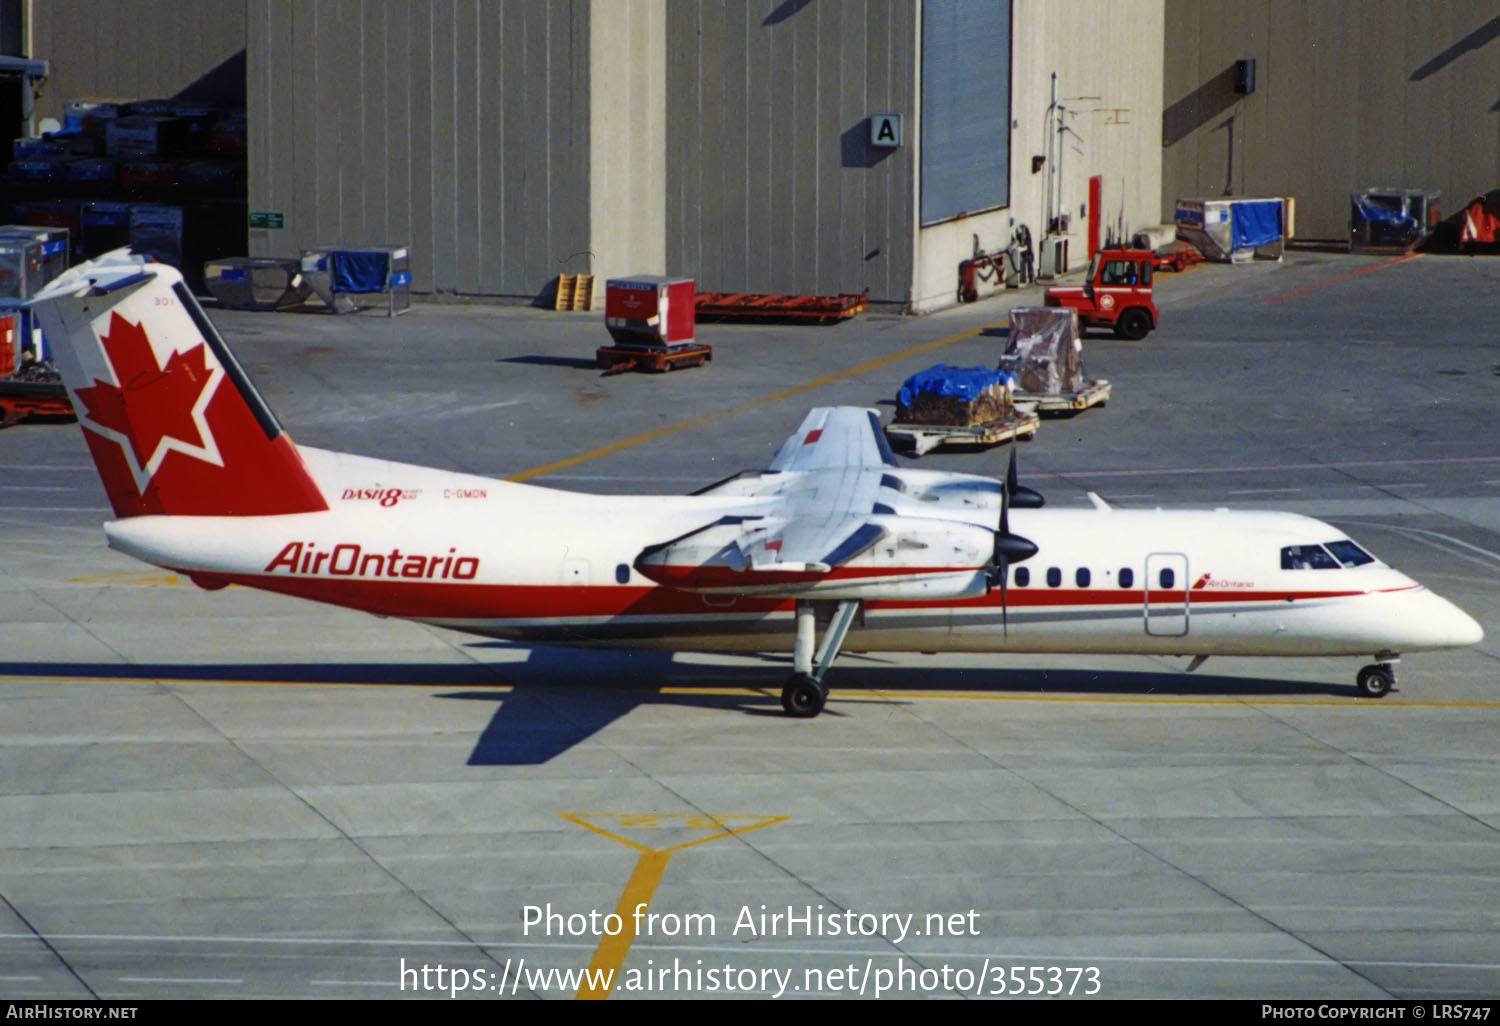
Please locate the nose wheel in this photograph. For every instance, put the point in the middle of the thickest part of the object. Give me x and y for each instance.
(1376, 680)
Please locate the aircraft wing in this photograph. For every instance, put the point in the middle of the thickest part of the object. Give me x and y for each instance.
(830, 516)
(828, 542)
(836, 436)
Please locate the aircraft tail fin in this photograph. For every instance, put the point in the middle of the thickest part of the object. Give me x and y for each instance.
(171, 419)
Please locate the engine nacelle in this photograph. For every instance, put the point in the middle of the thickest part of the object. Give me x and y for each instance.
(896, 558)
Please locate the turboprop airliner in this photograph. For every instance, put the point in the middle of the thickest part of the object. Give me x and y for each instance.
(834, 546)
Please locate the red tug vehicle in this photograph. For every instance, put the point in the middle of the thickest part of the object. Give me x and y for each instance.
(1115, 294)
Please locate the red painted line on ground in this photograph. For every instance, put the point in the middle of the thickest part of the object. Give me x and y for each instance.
(1342, 277)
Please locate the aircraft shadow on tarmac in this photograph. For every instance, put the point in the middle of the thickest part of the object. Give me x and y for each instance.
(559, 697)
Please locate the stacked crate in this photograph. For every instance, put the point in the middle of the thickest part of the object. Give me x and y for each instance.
(165, 177)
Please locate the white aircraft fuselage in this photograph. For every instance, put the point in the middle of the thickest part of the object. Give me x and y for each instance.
(527, 563)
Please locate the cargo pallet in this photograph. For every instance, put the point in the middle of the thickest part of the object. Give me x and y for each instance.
(619, 359)
(1178, 258)
(22, 399)
(1095, 393)
(919, 439)
(758, 306)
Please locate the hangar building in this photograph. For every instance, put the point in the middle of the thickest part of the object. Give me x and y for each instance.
(798, 146)
(508, 142)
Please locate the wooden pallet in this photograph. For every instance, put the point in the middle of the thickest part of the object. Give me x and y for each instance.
(1095, 393)
(919, 439)
(619, 359)
(575, 292)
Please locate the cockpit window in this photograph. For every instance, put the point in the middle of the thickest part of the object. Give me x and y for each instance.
(1307, 557)
(1349, 554)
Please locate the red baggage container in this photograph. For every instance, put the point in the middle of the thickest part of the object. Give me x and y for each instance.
(650, 310)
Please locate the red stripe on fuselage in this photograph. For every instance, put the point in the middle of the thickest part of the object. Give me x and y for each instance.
(1132, 596)
(448, 600)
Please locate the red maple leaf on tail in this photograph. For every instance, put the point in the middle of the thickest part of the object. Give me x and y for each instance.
(152, 402)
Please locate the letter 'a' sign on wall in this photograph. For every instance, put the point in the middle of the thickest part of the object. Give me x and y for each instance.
(885, 130)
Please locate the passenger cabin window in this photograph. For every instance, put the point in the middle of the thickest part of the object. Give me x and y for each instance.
(1023, 577)
(1082, 577)
(1127, 577)
(1054, 577)
(1166, 578)
(1307, 557)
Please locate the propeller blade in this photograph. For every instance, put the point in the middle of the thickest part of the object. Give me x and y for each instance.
(1003, 528)
(1010, 548)
(1004, 598)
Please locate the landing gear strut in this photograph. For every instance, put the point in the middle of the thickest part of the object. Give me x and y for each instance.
(1375, 680)
(804, 693)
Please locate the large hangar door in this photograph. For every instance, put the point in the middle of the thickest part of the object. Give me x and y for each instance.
(965, 107)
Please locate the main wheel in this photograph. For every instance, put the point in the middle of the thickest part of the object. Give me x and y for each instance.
(802, 696)
(1375, 680)
(1134, 324)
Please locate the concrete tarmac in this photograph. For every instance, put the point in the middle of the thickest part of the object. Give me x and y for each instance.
(236, 795)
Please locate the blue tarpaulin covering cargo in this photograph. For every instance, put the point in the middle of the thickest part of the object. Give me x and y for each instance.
(966, 383)
(360, 270)
(1256, 223)
(1390, 217)
(1369, 208)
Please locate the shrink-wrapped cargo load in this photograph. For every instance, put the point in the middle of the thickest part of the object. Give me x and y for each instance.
(1044, 350)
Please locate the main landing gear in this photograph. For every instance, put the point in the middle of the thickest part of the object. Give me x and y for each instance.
(1377, 679)
(804, 694)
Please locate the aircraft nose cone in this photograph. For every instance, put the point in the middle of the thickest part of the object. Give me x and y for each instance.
(1441, 624)
(1466, 629)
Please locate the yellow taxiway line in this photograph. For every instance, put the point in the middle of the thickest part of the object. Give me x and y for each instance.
(641, 886)
(785, 393)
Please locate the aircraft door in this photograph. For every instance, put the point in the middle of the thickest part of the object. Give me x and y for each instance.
(1166, 594)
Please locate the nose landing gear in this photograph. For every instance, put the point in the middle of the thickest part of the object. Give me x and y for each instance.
(1377, 679)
